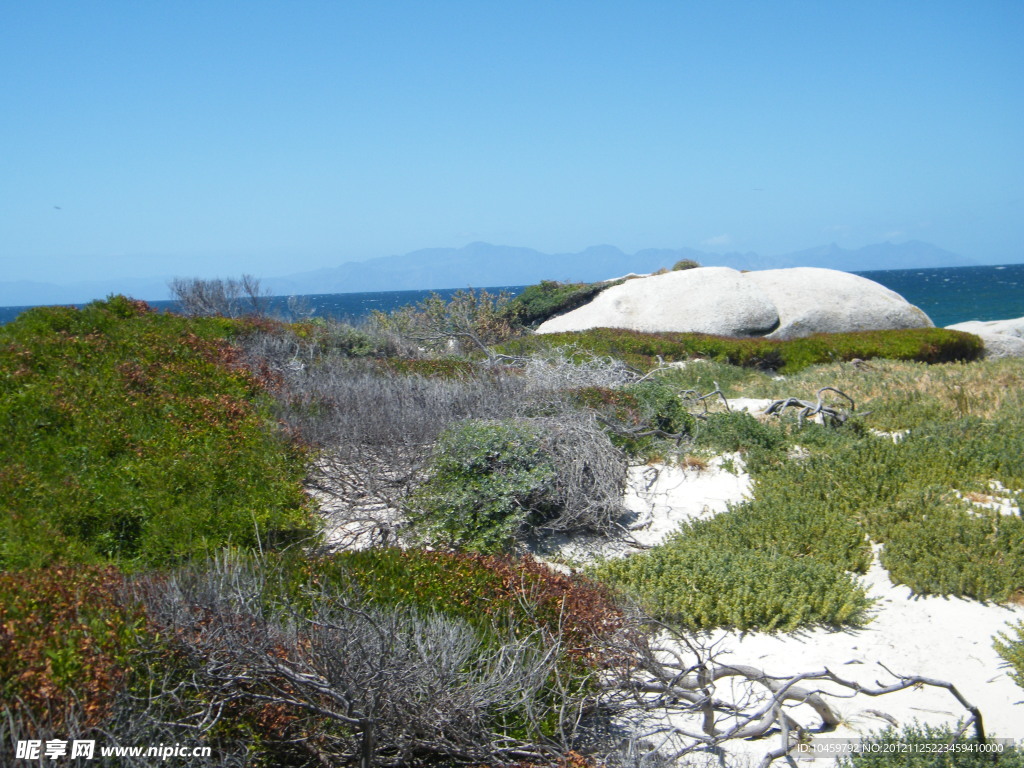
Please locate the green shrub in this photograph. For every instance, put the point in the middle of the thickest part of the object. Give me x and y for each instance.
(488, 479)
(733, 431)
(436, 368)
(66, 634)
(793, 530)
(948, 550)
(1011, 648)
(480, 589)
(703, 374)
(925, 746)
(137, 437)
(616, 404)
(698, 582)
(716, 572)
(902, 495)
(685, 264)
(334, 338)
(470, 320)
(493, 484)
(550, 298)
(638, 416)
(929, 345)
(661, 407)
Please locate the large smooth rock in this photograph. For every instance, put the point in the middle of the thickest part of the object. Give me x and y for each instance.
(776, 303)
(1014, 327)
(1002, 338)
(714, 300)
(813, 300)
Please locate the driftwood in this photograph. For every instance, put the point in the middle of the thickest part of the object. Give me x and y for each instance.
(672, 673)
(696, 398)
(830, 415)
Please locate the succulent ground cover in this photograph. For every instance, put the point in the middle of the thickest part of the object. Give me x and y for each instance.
(851, 486)
(928, 345)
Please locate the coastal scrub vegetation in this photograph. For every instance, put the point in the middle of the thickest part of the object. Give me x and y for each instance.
(1010, 645)
(138, 438)
(647, 350)
(380, 657)
(163, 576)
(924, 746)
(494, 484)
(550, 298)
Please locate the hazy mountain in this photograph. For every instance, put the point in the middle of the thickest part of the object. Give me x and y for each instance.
(483, 264)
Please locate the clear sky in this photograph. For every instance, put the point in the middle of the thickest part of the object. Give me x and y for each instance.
(210, 138)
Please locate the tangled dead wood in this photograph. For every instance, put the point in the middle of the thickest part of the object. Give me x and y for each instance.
(386, 686)
(831, 415)
(676, 689)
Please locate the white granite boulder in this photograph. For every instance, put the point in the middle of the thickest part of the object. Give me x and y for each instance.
(813, 300)
(1002, 338)
(1014, 327)
(714, 300)
(777, 303)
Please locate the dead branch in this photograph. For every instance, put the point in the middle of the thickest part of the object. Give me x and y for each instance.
(714, 703)
(389, 686)
(695, 398)
(830, 415)
(227, 298)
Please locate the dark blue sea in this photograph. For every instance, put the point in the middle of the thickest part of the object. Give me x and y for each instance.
(948, 295)
(955, 294)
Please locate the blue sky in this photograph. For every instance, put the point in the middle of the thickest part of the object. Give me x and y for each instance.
(212, 138)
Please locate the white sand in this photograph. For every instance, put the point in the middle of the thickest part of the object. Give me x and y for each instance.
(659, 498)
(945, 638)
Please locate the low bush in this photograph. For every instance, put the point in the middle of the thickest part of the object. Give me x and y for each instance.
(640, 416)
(279, 349)
(66, 636)
(468, 322)
(342, 403)
(488, 479)
(939, 545)
(704, 375)
(713, 572)
(337, 338)
(661, 407)
(492, 484)
(901, 493)
(439, 368)
(387, 656)
(929, 345)
(697, 582)
(762, 444)
(550, 298)
(139, 438)
(925, 746)
(1010, 645)
(480, 589)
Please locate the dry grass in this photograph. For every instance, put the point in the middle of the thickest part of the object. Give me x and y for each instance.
(693, 462)
(980, 389)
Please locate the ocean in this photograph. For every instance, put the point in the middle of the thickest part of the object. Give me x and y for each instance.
(948, 295)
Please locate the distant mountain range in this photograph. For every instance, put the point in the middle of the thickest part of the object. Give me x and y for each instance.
(483, 264)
